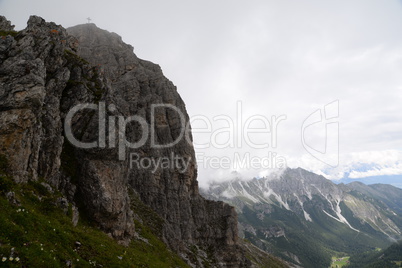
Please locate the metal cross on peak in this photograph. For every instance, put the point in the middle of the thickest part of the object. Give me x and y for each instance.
(89, 20)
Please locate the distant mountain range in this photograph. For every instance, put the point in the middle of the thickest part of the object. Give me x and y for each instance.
(367, 173)
(394, 180)
(305, 218)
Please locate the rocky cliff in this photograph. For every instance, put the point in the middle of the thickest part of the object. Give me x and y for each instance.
(45, 72)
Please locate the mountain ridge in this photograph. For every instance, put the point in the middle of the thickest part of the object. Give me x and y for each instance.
(294, 207)
(45, 72)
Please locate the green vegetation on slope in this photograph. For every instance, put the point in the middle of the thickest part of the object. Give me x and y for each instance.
(298, 239)
(259, 258)
(389, 257)
(312, 242)
(339, 262)
(11, 33)
(34, 232)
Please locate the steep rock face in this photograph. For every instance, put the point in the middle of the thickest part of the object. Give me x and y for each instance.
(5, 25)
(32, 77)
(42, 79)
(136, 85)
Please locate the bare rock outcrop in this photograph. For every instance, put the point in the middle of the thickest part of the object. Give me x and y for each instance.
(45, 72)
(5, 25)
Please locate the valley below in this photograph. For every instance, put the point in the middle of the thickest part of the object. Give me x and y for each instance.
(308, 220)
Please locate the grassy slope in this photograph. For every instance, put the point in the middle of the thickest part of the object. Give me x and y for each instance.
(260, 258)
(339, 262)
(389, 257)
(41, 235)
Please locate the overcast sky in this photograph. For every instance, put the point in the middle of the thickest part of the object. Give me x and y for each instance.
(273, 58)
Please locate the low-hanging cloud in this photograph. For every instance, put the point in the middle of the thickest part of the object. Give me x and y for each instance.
(276, 57)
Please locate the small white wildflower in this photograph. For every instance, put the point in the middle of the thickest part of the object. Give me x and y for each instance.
(41, 249)
(11, 258)
(4, 259)
(54, 230)
(17, 259)
(78, 259)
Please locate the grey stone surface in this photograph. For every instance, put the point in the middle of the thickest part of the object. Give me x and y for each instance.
(5, 25)
(42, 78)
(135, 85)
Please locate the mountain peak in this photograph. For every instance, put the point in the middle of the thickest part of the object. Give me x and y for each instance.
(5, 25)
(45, 73)
(276, 214)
